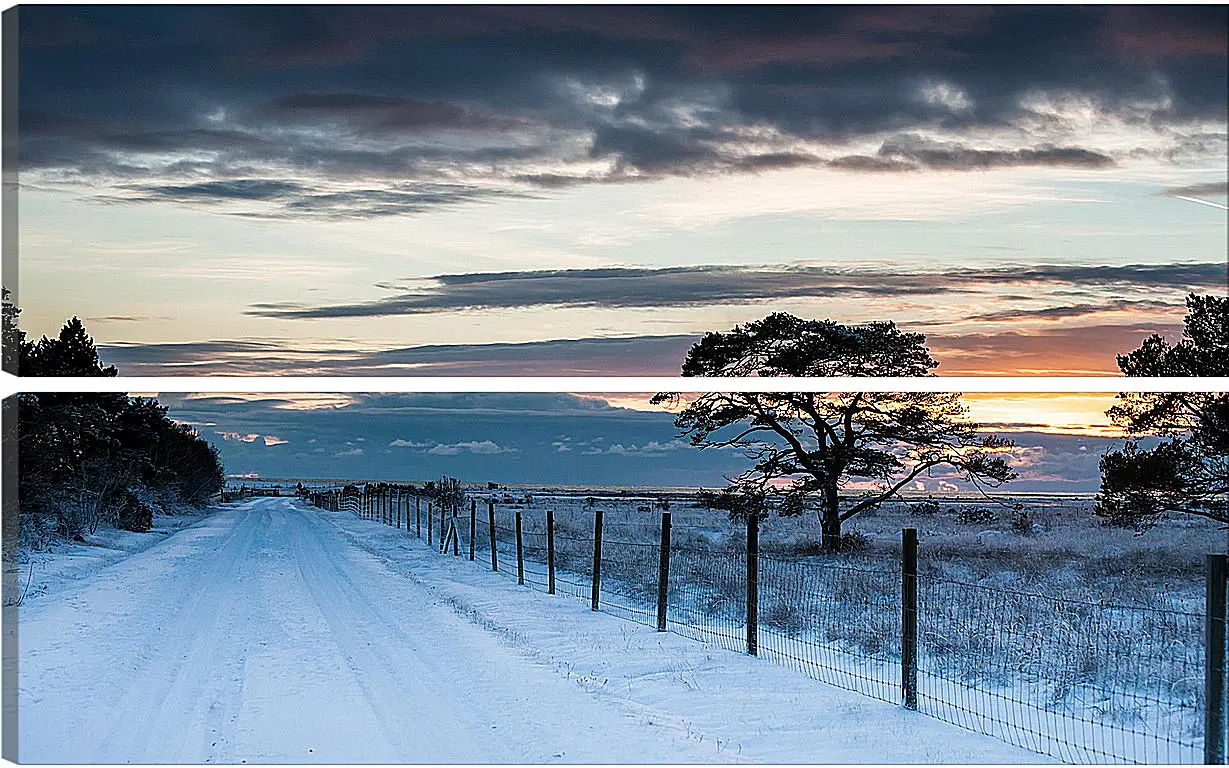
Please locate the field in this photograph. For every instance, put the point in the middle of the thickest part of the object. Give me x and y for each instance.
(1036, 623)
(1064, 551)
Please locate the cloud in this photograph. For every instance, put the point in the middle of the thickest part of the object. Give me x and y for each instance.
(235, 189)
(480, 447)
(1076, 310)
(1209, 189)
(711, 285)
(650, 448)
(361, 112)
(251, 437)
(399, 443)
(913, 152)
(295, 200)
(376, 115)
(637, 355)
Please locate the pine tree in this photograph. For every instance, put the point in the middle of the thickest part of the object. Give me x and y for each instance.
(72, 353)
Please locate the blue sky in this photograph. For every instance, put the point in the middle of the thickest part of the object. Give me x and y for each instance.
(487, 189)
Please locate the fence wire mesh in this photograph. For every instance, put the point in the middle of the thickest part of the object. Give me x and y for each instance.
(1079, 681)
(1085, 682)
(838, 624)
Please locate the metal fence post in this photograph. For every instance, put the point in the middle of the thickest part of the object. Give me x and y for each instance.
(473, 521)
(490, 513)
(550, 552)
(908, 618)
(1214, 669)
(597, 560)
(520, 551)
(753, 585)
(663, 572)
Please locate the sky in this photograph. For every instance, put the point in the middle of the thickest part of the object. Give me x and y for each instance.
(587, 190)
(573, 439)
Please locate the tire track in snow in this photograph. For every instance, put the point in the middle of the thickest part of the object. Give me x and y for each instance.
(368, 640)
(145, 722)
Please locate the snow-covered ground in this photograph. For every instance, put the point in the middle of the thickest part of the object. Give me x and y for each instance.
(44, 572)
(274, 632)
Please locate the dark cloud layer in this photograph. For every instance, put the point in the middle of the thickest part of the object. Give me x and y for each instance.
(519, 438)
(1061, 350)
(639, 355)
(295, 199)
(366, 108)
(548, 438)
(679, 286)
(1212, 189)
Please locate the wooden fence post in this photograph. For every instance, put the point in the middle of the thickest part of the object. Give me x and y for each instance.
(908, 618)
(597, 560)
(520, 551)
(417, 516)
(1214, 669)
(473, 521)
(663, 571)
(550, 552)
(428, 523)
(753, 585)
(443, 510)
(490, 513)
(456, 534)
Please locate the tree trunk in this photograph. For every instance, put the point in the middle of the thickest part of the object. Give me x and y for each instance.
(830, 521)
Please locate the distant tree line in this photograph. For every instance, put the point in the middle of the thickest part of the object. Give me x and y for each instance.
(91, 459)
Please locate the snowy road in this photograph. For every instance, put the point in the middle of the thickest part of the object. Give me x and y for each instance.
(275, 633)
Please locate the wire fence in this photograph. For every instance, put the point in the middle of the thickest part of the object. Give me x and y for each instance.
(1079, 681)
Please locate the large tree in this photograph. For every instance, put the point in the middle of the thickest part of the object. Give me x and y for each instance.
(808, 448)
(1189, 471)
